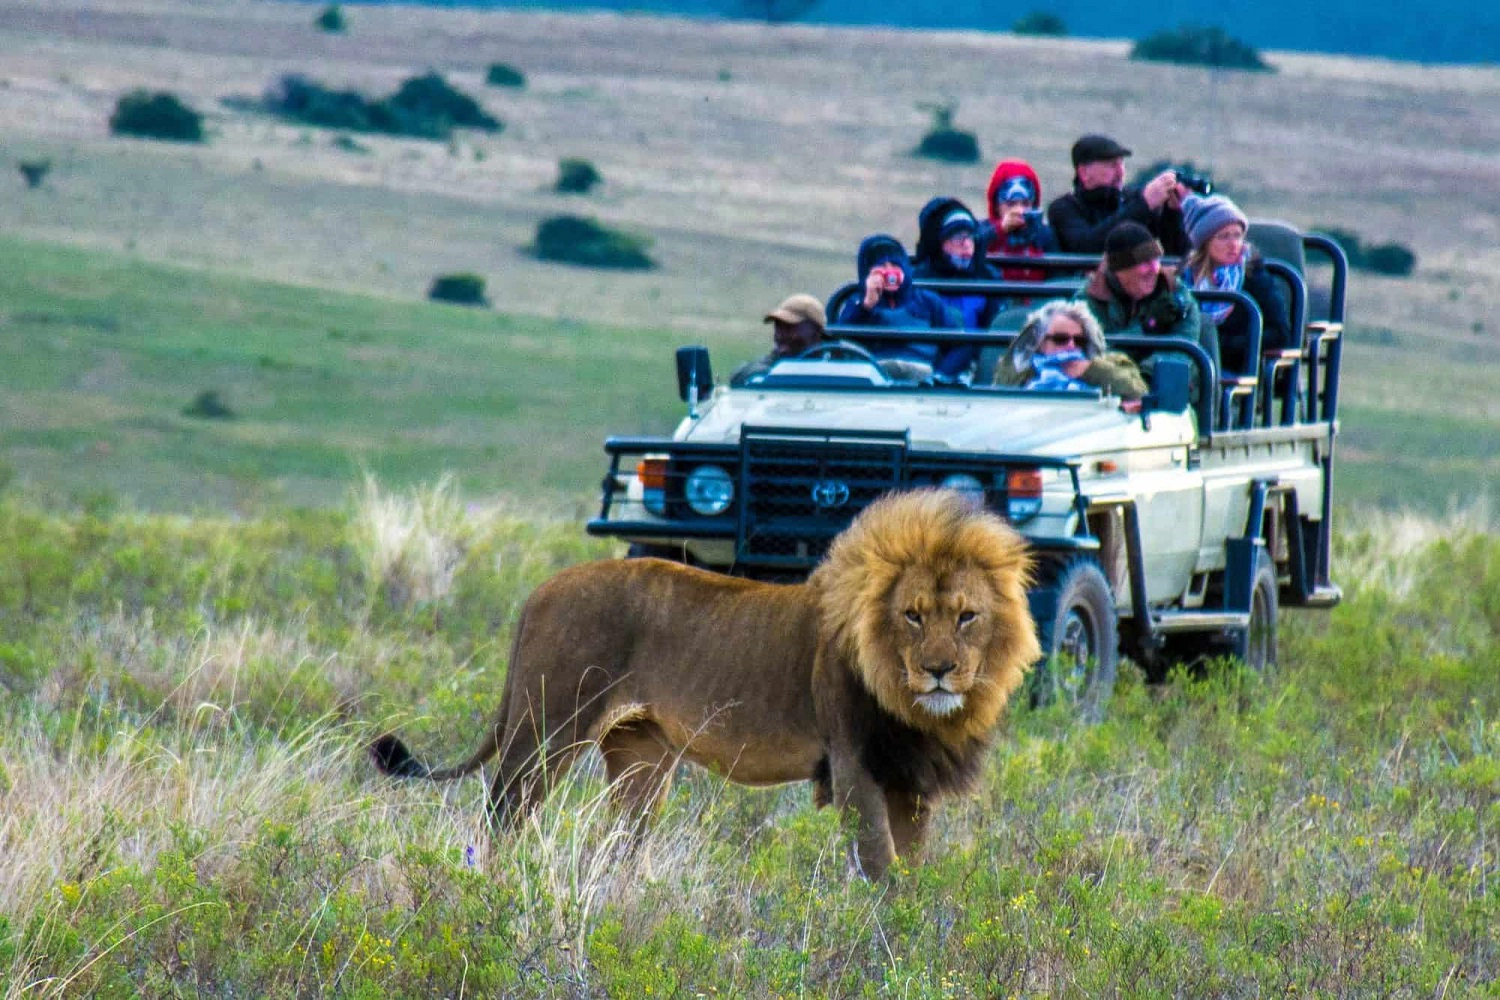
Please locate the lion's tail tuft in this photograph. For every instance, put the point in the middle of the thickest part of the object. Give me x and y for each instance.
(392, 757)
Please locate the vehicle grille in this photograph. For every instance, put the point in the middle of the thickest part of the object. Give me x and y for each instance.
(782, 521)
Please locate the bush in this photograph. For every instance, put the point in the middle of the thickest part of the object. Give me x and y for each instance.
(34, 171)
(156, 116)
(944, 142)
(425, 107)
(949, 144)
(331, 20)
(1394, 259)
(208, 405)
(1040, 22)
(576, 177)
(460, 289)
(1195, 45)
(568, 239)
(501, 75)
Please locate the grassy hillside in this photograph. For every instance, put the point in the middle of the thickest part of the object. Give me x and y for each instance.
(187, 810)
(101, 354)
(754, 158)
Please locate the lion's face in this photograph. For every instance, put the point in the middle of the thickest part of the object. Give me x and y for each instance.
(941, 626)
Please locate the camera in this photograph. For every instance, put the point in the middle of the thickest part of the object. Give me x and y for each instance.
(1033, 216)
(890, 277)
(1194, 181)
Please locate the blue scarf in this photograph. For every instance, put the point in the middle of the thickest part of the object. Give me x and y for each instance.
(1049, 373)
(1228, 278)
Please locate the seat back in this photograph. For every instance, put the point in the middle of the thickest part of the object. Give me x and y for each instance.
(1007, 320)
(1279, 241)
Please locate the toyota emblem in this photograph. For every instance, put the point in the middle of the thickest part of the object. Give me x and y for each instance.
(830, 494)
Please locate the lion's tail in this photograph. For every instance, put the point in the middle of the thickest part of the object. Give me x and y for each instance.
(393, 758)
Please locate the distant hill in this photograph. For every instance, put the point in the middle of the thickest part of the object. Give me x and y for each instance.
(1438, 31)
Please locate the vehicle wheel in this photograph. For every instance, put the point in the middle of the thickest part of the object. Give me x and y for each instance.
(1256, 645)
(1079, 631)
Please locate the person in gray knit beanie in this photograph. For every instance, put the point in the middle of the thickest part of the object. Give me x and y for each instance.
(1204, 216)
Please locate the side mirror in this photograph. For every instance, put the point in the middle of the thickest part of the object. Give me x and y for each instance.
(1171, 384)
(695, 376)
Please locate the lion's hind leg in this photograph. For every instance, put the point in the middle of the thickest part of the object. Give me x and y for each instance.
(638, 760)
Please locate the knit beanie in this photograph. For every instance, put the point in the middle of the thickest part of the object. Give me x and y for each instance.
(1202, 217)
(959, 220)
(1129, 244)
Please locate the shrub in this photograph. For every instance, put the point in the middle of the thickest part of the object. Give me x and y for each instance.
(34, 171)
(568, 239)
(156, 116)
(1394, 259)
(949, 144)
(425, 107)
(576, 176)
(460, 289)
(331, 20)
(501, 75)
(944, 142)
(208, 405)
(1040, 22)
(1195, 45)
(430, 97)
(349, 144)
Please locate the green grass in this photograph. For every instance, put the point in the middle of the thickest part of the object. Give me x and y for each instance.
(101, 353)
(188, 812)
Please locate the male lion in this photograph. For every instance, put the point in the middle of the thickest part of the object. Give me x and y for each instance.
(880, 679)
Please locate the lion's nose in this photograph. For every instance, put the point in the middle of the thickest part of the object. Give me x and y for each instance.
(940, 670)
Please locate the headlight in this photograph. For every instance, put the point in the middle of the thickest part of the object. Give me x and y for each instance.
(708, 490)
(966, 485)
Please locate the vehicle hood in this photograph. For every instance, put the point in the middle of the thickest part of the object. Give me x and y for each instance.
(1010, 423)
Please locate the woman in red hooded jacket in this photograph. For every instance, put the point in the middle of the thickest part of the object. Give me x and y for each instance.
(1020, 227)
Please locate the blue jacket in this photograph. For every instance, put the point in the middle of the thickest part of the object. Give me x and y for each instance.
(908, 306)
(977, 311)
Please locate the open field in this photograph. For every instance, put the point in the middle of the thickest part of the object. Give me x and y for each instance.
(754, 157)
(187, 810)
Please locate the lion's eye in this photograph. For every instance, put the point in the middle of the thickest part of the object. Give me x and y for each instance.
(964, 617)
(914, 618)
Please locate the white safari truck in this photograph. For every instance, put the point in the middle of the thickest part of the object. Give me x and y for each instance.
(1170, 534)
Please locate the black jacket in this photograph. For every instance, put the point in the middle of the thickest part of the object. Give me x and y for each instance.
(1263, 287)
(1083, 218)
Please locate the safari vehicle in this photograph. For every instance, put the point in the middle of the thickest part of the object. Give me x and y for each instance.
(1171, 534)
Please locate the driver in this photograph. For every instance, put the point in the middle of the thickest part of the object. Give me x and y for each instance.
(797, 326)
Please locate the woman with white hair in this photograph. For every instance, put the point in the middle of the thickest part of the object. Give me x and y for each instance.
(1061, 347)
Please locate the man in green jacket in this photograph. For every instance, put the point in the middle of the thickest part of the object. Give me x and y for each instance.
(1132, 294)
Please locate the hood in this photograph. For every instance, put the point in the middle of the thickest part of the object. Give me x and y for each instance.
(881, 246)
(1004, 171)
(1007, 422)
(930, 230)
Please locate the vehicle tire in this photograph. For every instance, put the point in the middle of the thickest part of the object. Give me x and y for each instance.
(1079, 632)
(1255, 646)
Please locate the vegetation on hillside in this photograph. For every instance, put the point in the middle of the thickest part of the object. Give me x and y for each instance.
(505, 75)
(189, 809)
(461, 289)
(156, 115)
(569, 239)
(1197, 45)
(423, 107)
(1040, 22)
(1394, 259)
(944, 141)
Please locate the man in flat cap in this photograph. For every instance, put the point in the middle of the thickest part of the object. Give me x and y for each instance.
(797, 326)
(1099, 201)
